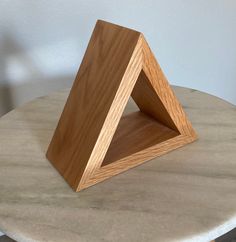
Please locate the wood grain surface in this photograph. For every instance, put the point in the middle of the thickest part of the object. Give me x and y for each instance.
(89, 144)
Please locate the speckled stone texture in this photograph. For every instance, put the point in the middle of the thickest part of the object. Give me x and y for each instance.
(187, 195)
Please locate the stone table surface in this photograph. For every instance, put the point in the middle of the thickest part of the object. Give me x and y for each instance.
(187, 195)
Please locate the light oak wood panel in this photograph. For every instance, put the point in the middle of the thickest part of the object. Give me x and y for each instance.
(136, 131)
(91, 100)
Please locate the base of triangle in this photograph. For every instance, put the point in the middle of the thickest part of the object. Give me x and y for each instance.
(138, 139)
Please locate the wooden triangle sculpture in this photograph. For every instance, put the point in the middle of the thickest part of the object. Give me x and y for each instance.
(93, 141)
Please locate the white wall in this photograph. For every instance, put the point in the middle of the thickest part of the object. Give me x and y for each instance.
(42, 42)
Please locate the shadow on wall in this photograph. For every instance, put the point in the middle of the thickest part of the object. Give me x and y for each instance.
(6, 102)
(34, 84)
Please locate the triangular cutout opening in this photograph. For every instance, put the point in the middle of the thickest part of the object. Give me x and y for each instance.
(148, 126)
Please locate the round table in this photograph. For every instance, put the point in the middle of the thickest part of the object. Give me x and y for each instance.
(186, 195)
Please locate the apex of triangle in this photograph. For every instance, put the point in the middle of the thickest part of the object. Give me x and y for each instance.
(112, 25)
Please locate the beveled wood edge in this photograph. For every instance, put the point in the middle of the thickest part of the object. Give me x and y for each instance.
(136, 159)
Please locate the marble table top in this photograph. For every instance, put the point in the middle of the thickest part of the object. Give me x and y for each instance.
(187, 195)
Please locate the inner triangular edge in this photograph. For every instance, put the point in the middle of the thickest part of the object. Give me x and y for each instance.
(148, 101)
(140, 130)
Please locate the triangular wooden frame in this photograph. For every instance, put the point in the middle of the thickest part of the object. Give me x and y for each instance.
(87, 147)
